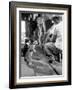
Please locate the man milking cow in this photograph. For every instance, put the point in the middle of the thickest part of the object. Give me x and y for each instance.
(53, 40)
(50, 41)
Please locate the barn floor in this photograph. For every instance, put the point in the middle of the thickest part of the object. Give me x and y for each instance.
(41, 67)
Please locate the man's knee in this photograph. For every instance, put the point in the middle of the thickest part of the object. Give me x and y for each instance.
(49, 45)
